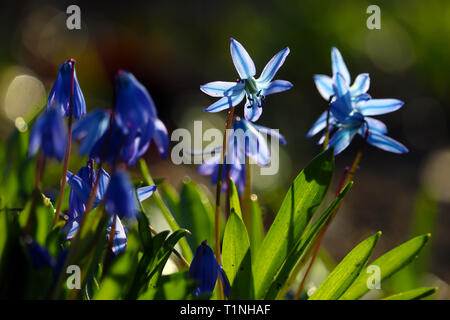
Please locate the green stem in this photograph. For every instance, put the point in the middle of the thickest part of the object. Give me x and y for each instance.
(185, 249)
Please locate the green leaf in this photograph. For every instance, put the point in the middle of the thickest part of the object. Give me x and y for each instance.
(389, 263)
(307, 239)
(176, 286)
(414, 294)
(119, 274)
(346, 271)
(196, 215)
(256, 226)
(236, 253)
(297, 209)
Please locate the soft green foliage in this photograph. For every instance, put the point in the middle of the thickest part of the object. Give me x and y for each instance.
(256, 226)
(346, 272)
(297, 209)
(307, 241)
(195, 214)
(414, 294)
(389, 263)
(236, 252)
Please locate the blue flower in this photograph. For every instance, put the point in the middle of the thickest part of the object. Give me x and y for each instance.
(246, 140)
(41, 258)
(60, 93)
(120, 197)
(136, 116)
(81, 185)
(255, 90)
(48, 133)
(135, 125)
(236, 172)
(205, 269)
(90, 129)
(350, 108)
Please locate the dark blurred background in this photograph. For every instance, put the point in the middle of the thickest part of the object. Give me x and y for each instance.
(172, 48)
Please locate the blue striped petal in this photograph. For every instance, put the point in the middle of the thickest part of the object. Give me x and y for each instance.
(222, 88)
(361, 84)
(145, 192)
(378, 106)
(274, 133)
(120, 236)
(376, 125)
(225, 103)
(386, 143)
(324, 85)
(318, 126)
(341, 139)
(338, 65)
(277, 86)
(252, 111)
(161, 137)
(273, 65)
(242, 61)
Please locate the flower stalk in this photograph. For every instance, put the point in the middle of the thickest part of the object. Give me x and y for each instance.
(218, 193)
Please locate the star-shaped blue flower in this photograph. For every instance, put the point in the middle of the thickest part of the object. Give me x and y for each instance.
(246, 140)
(205, 269)
(255, 90)
(351, 108)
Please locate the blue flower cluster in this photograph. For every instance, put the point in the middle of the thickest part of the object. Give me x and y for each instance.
(122, 134)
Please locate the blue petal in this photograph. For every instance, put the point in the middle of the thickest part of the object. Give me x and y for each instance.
(134, 106)
(324, 85)
(277, 86)
(222, 88)
(90, 129)
(341, 139)
(119, 197)
(209, 166)
(273, 65)
(378, 106)
(120, 236)
(225, 103)
(39, 255)
(386, 143)
(338, 65)
(81, 188)
(340, 108)
(204, 269)
(225, 281)
(252, 111)
(376, 125)
(319, 125)
(71, 227)
(36, 136)
(161, 137)
(274, 133)
(79, 105)
(242, 61)
(145, 192)
(361, 84)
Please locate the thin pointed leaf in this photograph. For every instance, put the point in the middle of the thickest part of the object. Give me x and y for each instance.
(341, 278)
(414, 294)
(297, 209)
(305, 241)
(389, 263)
